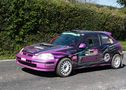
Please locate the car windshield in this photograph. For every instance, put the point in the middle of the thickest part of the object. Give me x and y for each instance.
(67, 39)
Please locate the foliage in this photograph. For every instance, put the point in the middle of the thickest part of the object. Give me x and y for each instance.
(122, 2)
(24, 22)
(123, 43)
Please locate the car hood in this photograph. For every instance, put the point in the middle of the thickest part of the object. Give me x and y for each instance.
(48, 48)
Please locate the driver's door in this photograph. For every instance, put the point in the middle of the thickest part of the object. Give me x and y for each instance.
(91, 52)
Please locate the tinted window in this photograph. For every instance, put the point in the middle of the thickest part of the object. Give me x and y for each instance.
(67, 40)
(92, 40)
(106, 39)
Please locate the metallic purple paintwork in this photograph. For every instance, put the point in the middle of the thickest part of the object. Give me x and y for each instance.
(28, 57)
(41, 65)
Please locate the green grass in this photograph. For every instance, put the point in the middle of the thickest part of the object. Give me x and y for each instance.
(123, 44)
(4, 57)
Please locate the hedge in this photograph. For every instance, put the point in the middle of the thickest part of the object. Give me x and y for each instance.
(24, 22)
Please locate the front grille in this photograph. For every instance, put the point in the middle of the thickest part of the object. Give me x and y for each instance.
(27, 63)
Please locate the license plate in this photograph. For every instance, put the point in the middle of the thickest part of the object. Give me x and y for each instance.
(23, 59)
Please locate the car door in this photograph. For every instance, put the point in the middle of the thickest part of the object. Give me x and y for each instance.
(91, 52)
(107, 47)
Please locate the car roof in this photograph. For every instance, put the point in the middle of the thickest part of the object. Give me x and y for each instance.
(91, 32)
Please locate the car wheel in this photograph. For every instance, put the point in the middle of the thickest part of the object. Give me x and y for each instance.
(64, 67)
(116, 61)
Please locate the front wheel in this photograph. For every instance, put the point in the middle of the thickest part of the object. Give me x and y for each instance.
(64, 67)
(116, 61)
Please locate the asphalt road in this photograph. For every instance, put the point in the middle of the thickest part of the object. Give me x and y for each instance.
(13, 77)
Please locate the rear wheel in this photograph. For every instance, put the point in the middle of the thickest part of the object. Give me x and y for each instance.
(116, 61)
(64, 67)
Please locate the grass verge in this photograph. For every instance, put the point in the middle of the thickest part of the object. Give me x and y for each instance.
(123, 45)
(4, 57)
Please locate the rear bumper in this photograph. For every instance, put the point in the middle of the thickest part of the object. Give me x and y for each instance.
(36, 66)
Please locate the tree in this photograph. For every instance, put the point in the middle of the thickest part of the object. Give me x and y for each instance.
(122, 2)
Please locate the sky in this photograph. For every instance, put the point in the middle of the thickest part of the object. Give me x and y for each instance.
(107, 2)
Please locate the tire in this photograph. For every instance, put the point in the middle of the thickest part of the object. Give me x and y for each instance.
(64, 67)
(116, 61)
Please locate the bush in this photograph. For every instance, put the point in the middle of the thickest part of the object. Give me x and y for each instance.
(24, 22)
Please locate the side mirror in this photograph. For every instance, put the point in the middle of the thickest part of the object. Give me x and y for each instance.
(82, 46)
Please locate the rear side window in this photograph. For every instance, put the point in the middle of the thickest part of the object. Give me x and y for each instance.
(92, 40)
(106, 39)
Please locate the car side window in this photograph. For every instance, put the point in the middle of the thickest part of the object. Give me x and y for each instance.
(92, 41)
(106, 39)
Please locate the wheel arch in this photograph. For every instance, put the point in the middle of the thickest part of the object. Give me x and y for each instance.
(60, 60)
(117, 52)
(114, 53)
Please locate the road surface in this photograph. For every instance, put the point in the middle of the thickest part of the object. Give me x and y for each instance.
(13, 77)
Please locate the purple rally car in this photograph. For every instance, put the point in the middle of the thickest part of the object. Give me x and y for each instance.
(72, 50)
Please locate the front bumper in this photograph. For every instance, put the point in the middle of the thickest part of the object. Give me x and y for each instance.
(36, 65)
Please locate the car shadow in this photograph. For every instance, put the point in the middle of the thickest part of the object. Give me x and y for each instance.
(75, 72)
(93, 69)
(39, 73)
(123, 66)
(90, 69)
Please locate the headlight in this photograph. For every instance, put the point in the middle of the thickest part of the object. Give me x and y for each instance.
(46, 56)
